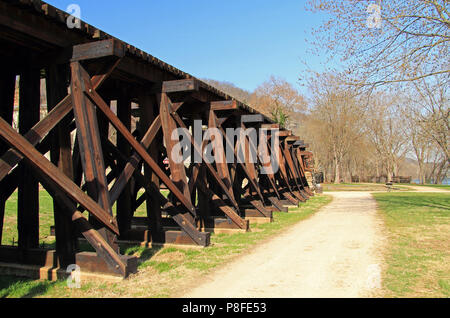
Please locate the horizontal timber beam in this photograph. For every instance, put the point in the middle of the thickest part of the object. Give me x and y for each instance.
(285, 133)
(292, 139)
(176, 86)
(224, 105)
(270, 126)
(258, 118)
(98, 49)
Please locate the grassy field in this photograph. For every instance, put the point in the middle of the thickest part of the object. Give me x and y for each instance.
(438, 186)
(327, 187)
(418, 253)
(166, 272)
(46, 220)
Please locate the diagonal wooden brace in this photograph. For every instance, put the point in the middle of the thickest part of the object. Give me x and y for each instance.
(138, 147)
(48, 170)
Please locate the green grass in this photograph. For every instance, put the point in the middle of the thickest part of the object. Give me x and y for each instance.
(418, 253)
(13, 287)
(163, 270)
(46, 220)
(438, 186)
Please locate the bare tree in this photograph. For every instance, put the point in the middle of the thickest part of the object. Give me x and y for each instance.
(335, 121)
(386, 41)
(385, 129)
(230, 89)
(431, 109)
(279, 100)
(420, 142)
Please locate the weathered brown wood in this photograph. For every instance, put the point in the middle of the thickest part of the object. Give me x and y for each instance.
(135, 159)
(222, 206)
(147, 105)
(98, 49)
(138, 147)
(36, 134)
(7, 88)
(259, 206)
(90, 146)
(219, 155)
(203, 201)
(292, 139)
(89, 140)
(61, 155)
(185, 85)
(140, 74)
(302, 188)
(52, 173)
(277, 204)
(28, 189)
(257, 118)
(124, 213)
(210, 168)
(41, 129)
(292, 171)
(46, 32)
(291, 198)
(97, 241)
(283, 176)
(270, 126)
(169, 127)
(252, 172)
(285, 133)
(252, 181)
(223, 105)
(302, 171)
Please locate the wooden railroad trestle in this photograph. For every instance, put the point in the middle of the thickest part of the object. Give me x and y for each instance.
(87, 173)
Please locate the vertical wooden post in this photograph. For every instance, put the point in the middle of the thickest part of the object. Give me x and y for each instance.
(124, 202)
(147, 106)
(204, 202)
(219, 155)
(28, 193)
(7, 90)
(177, 170)
(61, 156)
(90, 148)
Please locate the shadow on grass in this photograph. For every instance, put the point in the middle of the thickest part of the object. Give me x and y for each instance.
(20, 287)
(143, 253)
(430, 200)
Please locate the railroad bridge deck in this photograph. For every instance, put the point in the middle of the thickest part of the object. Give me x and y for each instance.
(70, 153)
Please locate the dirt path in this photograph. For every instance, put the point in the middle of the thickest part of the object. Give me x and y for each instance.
(335, 253)
(428, 189)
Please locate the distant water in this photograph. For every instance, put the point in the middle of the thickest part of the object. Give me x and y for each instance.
(446, 181)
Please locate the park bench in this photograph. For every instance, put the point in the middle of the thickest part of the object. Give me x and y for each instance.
(389, 186)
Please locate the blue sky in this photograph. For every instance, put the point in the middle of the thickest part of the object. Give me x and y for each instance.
(240, 41)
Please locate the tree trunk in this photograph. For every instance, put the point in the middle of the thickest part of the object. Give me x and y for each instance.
(389, 172)
(337, 176)
(421, 174)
